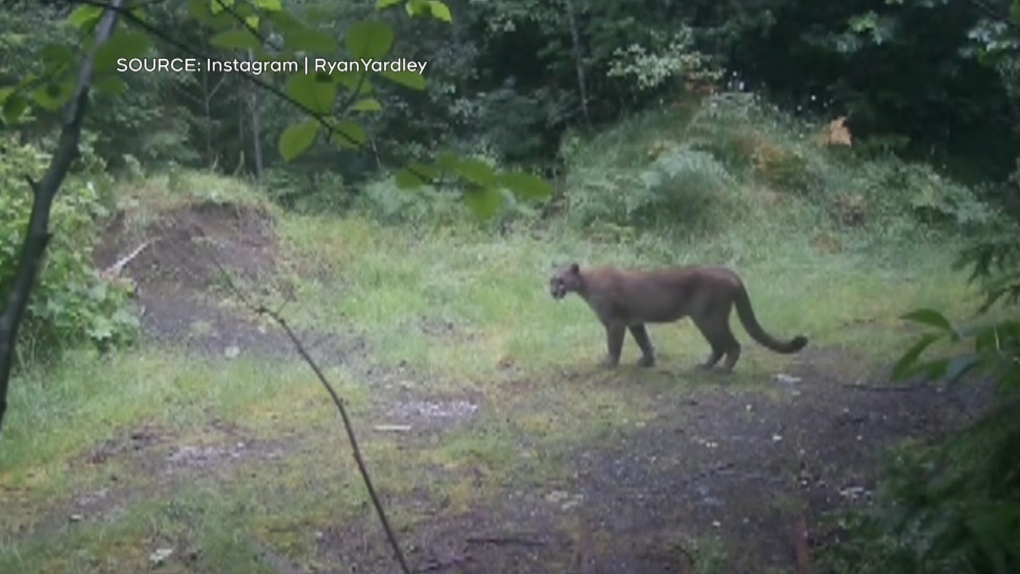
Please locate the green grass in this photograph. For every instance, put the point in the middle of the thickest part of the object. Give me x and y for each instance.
(459, 312)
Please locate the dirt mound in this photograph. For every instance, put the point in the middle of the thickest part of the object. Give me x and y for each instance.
(179, 268)
(188, 241)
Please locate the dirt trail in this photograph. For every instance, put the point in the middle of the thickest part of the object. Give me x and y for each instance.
(713, 463)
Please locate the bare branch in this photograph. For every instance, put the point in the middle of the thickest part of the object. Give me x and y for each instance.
(509, 540)
(801, 544)
(344, 416)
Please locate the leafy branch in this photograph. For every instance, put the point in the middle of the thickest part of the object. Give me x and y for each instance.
(315, 94)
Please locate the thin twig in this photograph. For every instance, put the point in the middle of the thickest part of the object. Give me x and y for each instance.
(505, 540)
(689, 567)
(587, 556)
(348, 426)
(801, 539)
(884, 388)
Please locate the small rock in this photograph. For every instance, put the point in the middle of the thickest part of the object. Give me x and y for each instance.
(853, 492)
(76, 518)
(232, 352)
(160, 555)
(556, 496)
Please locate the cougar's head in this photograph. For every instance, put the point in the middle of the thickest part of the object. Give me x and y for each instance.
(566, 279)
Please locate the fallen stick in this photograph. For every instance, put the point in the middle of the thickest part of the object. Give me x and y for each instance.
(444, 564)
(504, 540)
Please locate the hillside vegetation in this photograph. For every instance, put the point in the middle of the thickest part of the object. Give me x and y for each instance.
(208, 446)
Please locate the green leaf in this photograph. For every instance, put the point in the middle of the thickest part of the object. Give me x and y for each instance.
(354, 81)
(447, 160)
(484, 202)
(348, 134)
(109, 84)
(411, 80)
(905, 365)
(929, 317)
(933, 370)
(236, 39)
(126, 45)
(473, 170)
(284, 22)
(411, 177)
(15, 106)
(310, 40)
(384, 4)
(525, 185)
(252, 22)
(416, 7)
(297, 138)
(440, 11)
(367, 105)
(200, 10)
(140, 14)
(101, 328)
(57, 57)
(960, 366)
(53, 95)
(316, 93)
(217, 6)
(270, 5)
(84, 16)
(369, 39)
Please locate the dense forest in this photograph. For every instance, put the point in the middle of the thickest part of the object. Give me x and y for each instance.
(858, 161)
(926, 80)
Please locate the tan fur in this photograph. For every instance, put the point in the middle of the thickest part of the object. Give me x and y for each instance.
(628, 300)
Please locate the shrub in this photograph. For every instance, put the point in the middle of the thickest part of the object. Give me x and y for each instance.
(682, 186)
(71, 303)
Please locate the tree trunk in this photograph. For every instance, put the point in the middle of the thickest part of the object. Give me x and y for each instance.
(575, 36)
(256, 125)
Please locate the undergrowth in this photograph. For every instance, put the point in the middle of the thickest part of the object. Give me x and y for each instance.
(739, 166)
(71, 303)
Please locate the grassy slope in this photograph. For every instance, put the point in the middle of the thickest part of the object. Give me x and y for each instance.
(383, 282)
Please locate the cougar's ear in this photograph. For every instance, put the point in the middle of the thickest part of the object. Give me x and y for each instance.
(575, 268)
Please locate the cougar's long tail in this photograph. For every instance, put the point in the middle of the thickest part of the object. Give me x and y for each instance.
(750, 322)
